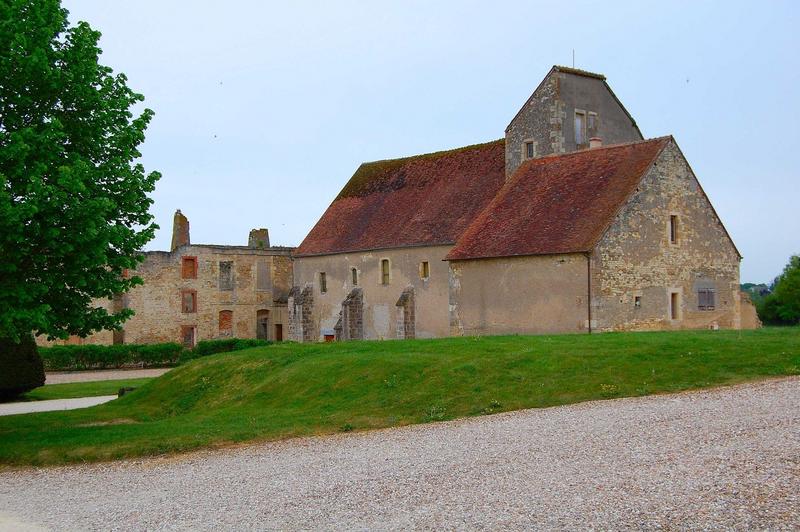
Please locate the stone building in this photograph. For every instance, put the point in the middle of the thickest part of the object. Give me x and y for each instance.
(571, 223)
(199, 291)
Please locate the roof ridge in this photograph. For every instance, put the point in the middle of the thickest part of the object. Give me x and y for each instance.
(437, 153)
(579, 72)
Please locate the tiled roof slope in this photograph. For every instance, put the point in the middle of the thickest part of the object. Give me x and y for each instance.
(415, 201)
(558, 203)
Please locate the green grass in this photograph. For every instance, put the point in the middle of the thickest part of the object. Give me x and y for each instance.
(82, 389)
(289, 390)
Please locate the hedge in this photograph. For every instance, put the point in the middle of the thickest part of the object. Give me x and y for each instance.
(83, 357)
(79, 357)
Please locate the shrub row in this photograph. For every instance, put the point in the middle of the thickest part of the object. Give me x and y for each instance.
(83, 357)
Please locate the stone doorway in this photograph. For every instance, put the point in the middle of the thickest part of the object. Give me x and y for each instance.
(262, 325)
(278, 332)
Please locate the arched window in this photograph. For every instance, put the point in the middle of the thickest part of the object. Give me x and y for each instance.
(354, 275)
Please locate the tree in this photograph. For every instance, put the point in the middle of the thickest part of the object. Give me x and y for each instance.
(73, 200)
(782, 306)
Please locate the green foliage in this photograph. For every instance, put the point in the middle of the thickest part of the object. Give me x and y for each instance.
(210, 347)
(82, 357)
(20, 367)
(73, 201)
(782, 305)
(290, 389)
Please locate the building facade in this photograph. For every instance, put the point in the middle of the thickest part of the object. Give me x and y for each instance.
(572, 223)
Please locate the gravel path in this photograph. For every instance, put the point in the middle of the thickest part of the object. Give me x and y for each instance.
(61, 377)
(725, 458)
(10, 409)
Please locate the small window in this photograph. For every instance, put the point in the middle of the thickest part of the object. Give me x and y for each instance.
(226, 275)
(354, 276)
(323, 282)
(188, 267)
(188, 335)
(424, 270)
(591, 124)
(385, 271)
(188, 301)
(673, 229)
(580, 128)
(706, 299)
(674, 305)
(637, 301)
(530, 149)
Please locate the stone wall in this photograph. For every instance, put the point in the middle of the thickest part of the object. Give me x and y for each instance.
(548, 117)
(519, 295)
(635, 259)
(379, 300)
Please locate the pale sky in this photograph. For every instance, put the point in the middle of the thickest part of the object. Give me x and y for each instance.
(264, 110)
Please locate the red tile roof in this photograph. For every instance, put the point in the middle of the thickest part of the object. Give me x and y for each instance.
(558, 203)
(415, 201)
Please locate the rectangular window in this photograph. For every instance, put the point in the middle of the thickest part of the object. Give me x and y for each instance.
(188, 267)
(385, 271)
(354, 276)
(226, 275)
(580, 128)
(673, 229)
(424, 270)
(187, 335)
(706, 299)
(674, 305)
(530, 151)
(323, 282)
(263, 279)
(637, 301)
(591, 124)
(188, 301)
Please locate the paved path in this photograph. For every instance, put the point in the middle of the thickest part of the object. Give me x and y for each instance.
(726, 458)
(61, 377)
(10, 409)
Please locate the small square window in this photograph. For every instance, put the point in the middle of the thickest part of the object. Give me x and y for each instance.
(188, 267)
(530, 150)
(323, 282)
(424, 270)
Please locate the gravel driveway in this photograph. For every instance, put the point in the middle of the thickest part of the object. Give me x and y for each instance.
(62, 377)
(725, 458)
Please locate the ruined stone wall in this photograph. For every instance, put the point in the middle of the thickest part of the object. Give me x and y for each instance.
(379, 301)
(548, 118)
(259, 281)
(519, 295)
(636, 258)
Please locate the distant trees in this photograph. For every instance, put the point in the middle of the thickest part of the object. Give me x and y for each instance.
(782, 305)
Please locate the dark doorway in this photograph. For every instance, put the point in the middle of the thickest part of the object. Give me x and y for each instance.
(262, 325)
(278, 332)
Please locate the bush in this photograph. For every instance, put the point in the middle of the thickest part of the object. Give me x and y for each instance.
(21, 367)
(79, 357)
(210, 347)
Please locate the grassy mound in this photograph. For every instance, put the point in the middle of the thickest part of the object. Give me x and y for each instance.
(292, 390)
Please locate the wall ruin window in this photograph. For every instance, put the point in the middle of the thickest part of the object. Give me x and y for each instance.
(225, 323)
(323, 282)
(673, 229)
(354, 276)
(706, 299)
(188, 301)
(188, 267)
(188, 336)
(226, 275)
(262, 324)
(263, 278)
(424, 270)
(674, 306)
(580, 127)
(637, 301)
(385, 272)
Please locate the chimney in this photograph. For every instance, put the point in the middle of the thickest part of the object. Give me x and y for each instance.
(595, 142)
(180, 230)
(259, 238)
